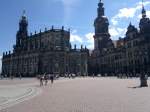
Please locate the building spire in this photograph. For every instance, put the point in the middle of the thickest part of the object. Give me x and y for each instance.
(130, 24)
(23, 24)
(23, 17)
(24, 13)
(143, 10)
(101, 9)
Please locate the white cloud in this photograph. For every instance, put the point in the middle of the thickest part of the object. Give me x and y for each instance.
(76, 38)
(147, 13)
(90, 40)
(74, 31)
(117, 32)
(86, 40)
(113, 32)
(128, 12)
(125, 14)
(114, 21)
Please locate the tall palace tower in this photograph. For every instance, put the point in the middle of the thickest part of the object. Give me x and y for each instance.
(102, 37)
(102, 40)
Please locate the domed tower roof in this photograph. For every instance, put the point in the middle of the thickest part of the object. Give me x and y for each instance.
(101, 23)
(131, 28)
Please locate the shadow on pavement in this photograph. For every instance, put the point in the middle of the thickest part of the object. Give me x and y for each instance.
(135, 87)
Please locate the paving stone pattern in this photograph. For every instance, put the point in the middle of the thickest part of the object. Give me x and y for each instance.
(88, 95)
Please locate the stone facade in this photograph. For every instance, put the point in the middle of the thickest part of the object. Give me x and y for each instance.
(50, 51)
(45, 52)
(129, 55)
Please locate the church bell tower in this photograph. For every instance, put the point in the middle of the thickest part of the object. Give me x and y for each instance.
(22, 33)
(102, 37)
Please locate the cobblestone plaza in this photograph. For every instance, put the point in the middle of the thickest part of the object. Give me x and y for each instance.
(74, 95)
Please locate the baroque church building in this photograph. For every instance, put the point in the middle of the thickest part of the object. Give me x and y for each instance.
(129, 55)
(44, 52)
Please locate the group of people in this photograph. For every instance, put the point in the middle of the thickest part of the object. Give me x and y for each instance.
(2, 76)
(45, 78)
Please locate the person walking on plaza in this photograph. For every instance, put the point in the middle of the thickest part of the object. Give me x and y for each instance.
(41, 80)
(143, 79)
(46, 79)
(52, 79)
(1, 76)
(20, 76)
(11, 77)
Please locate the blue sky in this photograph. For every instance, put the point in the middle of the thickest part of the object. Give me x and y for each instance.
(78, 15)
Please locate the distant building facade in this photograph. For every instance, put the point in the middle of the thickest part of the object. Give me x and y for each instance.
(129, 55)
(45, 52)
(50, 51)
